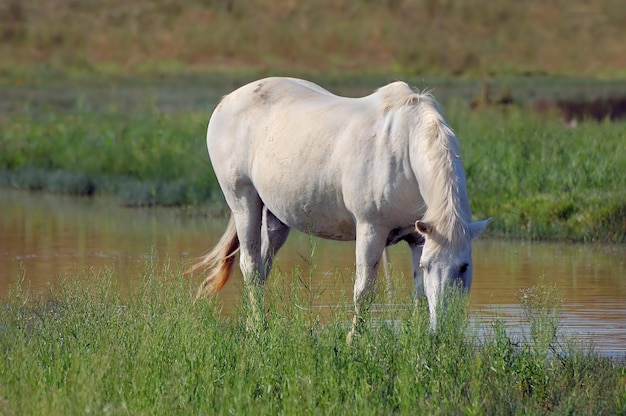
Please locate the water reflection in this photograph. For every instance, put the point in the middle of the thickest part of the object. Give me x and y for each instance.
(45, 236)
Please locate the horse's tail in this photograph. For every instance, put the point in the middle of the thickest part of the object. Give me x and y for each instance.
(219, 261)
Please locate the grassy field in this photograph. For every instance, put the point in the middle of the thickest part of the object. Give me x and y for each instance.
(83, 349)
(535, 177)
(65, 38)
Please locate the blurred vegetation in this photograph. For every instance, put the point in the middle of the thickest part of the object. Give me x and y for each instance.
(538, 178)
(447, 37)
(147, 160)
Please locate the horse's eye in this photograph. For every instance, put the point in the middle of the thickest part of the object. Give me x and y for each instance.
(463, 268)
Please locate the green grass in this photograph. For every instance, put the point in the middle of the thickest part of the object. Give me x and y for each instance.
(85, 349)
(535, 177)
(541, 180)
(150, 159)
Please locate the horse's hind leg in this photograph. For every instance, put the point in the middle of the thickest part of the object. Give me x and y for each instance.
(273, 235)
(247, 210)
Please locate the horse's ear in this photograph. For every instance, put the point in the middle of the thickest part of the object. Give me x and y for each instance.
(423, 228)
(477, 228)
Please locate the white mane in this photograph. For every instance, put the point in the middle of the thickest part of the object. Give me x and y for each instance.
(445, 194)
(396, 95)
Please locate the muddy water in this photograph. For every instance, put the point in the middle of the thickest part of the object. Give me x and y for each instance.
(44, 237)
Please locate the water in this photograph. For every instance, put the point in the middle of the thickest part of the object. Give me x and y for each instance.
(44, 237)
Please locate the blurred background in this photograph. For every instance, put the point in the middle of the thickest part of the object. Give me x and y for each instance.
(45, 38)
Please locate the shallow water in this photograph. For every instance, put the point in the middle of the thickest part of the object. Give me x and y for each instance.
(44, 237)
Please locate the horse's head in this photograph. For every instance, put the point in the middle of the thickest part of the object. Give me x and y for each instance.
(446, 263)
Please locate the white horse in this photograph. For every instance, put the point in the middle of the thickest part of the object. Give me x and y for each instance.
(379, 169)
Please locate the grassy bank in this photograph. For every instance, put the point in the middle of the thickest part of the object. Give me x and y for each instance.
(146, 160)
(83, 349)
(43, 39)
(541, 180)
(535, 177)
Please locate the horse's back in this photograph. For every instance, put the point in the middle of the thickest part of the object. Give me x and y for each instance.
(270, 115)
(271, 92)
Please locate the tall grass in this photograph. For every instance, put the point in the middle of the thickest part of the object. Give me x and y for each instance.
(542, 180)
(84, 349)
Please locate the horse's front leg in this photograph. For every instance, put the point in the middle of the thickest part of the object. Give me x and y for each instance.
(418, 273)
(370, 243)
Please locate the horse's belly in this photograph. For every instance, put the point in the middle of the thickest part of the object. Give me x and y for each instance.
(341, 231)
(319, 221)
(318, 213)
